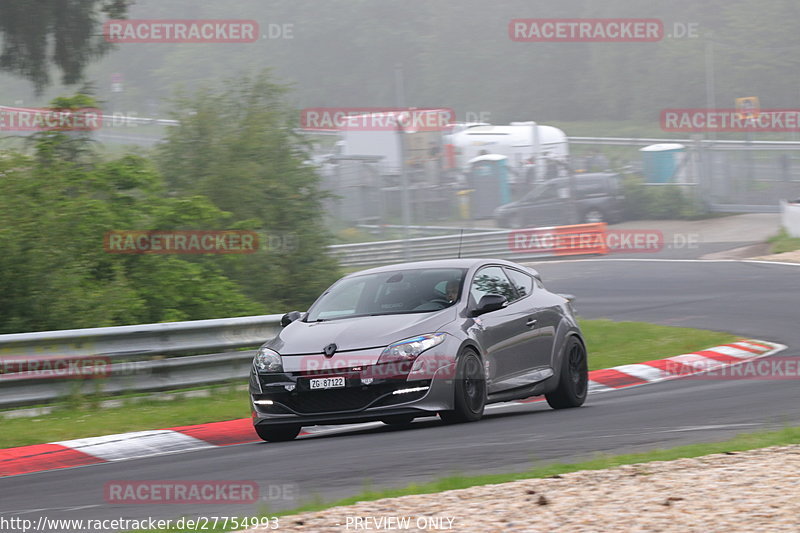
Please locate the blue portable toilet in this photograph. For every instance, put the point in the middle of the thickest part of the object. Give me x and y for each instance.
(662, 161)
(488, 177)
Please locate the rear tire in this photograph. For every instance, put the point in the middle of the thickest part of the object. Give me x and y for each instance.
(277, 433)
(574, 379)
(470, 390)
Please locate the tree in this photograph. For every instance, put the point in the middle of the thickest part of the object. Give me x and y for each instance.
(54, 270)
(64, 33)
(238, 148)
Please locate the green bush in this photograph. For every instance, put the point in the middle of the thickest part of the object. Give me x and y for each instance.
(232, 163)
(643, 201)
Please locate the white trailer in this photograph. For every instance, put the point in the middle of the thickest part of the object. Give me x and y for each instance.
(378, 134)
(526, 145)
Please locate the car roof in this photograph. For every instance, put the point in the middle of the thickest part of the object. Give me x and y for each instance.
(440, 263)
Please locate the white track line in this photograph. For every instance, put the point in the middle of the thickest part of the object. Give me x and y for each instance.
(642, 260)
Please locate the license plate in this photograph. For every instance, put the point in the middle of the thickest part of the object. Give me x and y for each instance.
(327, 383)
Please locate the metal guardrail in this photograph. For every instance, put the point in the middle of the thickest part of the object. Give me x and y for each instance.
(132, 342)
(25, 389)
(706, 143)
(437, 229)
(122, 346)
(483, 244)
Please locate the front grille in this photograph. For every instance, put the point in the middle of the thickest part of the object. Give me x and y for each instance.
(347, 399)
(353, 398)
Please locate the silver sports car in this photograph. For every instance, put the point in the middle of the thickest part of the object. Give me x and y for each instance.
(419, 339)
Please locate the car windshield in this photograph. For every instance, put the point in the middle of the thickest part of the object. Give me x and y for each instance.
(390, 293)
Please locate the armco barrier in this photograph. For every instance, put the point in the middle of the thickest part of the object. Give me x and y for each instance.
(132, 342)
(560, 240)
(501, 244)
(24, 389)
(122, 346)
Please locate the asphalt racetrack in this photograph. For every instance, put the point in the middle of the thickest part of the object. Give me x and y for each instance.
(751, 299)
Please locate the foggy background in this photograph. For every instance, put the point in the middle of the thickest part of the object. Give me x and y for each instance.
(457, 54)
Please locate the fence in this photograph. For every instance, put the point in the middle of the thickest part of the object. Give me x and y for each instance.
(726, 175)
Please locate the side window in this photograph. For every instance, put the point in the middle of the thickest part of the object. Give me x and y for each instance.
(491, 280)
(550, 192)
(522, 282)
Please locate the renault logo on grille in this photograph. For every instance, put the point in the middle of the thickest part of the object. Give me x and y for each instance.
(329, 350)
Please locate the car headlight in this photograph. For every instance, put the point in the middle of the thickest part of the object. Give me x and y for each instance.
(409, 349)
(267, 360)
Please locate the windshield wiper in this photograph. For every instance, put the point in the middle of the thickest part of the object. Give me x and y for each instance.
(399, 312)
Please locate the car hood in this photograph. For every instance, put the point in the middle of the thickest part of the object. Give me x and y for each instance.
(357, 333)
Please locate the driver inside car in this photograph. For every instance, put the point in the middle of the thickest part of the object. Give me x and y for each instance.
(452, 290)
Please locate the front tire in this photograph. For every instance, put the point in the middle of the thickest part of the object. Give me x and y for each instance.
(277, 433)
(470, 390)
(574, 379)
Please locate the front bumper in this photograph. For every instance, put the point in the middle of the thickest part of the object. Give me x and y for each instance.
(365, 396)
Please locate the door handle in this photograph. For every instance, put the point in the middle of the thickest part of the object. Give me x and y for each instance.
(531, 322)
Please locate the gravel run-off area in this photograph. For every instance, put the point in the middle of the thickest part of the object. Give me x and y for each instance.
(756, 490)
(786, 257)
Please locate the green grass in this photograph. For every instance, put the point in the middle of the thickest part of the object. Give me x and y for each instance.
(620, 343)
(783, 243)
(744, 441)
(81, 417)
(609, 344)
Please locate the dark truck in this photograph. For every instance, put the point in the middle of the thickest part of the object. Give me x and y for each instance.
(597, 197)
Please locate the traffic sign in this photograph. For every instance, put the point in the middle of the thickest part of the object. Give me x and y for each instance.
(748, 107)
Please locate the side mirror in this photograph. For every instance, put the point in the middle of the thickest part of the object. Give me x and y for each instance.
(489, 303)
(290, 317)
